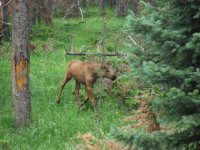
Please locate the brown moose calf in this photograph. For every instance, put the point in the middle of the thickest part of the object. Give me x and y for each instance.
(85, 73)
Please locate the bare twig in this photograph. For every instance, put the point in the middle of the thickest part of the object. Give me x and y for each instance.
(7, 23)
(6, 3)
(136, 43)
(83, 47)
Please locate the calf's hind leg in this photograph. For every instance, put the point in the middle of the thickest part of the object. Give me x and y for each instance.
(68, 77)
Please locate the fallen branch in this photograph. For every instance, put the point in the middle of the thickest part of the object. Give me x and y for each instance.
(97, 54)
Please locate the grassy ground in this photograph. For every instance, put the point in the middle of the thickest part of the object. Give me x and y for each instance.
(55, 127)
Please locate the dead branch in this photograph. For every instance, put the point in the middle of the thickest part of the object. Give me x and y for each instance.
(83, 47)
(6, 3)
(6, 23)
(97, 54)
(136, 43)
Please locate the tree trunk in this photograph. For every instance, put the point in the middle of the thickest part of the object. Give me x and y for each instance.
(20, 64)
(49, 11)
(5, 29)
(44, 12)
(1, 23)
(92, 2)
(75, 8)
(134, 5)
(38, 12)
(112, 3)
(83, 3)
(152, 2)
(72, 9)
(33, 13)
(101, 8)
(122, 8)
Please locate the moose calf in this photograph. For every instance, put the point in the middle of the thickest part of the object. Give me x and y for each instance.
(86, 73)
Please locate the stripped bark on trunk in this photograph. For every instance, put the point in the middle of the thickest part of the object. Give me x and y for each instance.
(20, 64)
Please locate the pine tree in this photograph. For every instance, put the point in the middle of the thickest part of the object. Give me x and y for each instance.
(171, 31)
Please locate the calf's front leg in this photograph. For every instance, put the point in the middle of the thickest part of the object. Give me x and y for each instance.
(91, 95)
(86, 97)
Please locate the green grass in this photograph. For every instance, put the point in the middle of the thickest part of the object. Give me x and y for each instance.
(55, 127)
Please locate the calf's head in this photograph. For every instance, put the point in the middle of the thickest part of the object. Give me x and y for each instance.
(109, 72)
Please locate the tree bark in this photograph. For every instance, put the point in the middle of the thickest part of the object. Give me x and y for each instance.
(92, 2)
(49, 11)
(112, 3)
(33, 11)
(72, 9)
(83, 3)
(122, 8)
(152, 2)
(5, 29)
(20, 64)
(37, 13)
(1, 24)
(134, 5)
(44, 11)
(101, 8)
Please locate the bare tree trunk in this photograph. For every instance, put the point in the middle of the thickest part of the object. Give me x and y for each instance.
(72, 9)
(152, 2)
(44, 12)
(83, 3)
(20, 64)
(112, 3)
(47, 17)
(134, 5)
(33, 5)
(5, 29)
(101, 8)
(1, 24)
(122, 8)
(38, 12)
(75, 8)
(92, 2)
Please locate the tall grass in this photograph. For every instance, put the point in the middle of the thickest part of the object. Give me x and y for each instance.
(53, 126)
